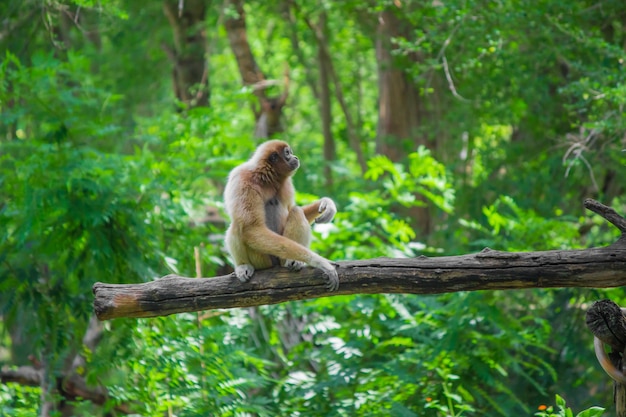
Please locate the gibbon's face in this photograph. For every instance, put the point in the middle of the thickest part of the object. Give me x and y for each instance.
(283, 160)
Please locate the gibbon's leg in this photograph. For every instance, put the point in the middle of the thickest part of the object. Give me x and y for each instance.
(297, 228)
(246, 260)
(243, 269)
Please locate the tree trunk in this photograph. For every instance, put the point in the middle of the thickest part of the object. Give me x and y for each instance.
(269, 114)
(401, 108)
(330, 154)
(190, 54)
(353, 140)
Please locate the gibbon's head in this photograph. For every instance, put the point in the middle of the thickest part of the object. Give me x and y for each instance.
(276, 155)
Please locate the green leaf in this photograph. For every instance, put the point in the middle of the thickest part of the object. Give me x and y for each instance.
(591, 412)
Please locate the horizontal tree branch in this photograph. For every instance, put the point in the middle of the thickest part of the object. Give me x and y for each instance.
(488, 270)
(23, 375)
(72, 387)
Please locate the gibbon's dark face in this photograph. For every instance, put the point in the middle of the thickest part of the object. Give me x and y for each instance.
(284, 161)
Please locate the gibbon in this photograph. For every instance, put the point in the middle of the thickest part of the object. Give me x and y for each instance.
(267, 228)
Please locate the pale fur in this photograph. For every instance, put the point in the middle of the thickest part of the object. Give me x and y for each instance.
(260, 196)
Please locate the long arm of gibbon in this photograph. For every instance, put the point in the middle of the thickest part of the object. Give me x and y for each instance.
(263, 240)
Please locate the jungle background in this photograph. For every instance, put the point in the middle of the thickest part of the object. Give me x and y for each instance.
(438, 127)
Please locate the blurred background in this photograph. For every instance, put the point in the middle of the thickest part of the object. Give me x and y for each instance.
(438, 127)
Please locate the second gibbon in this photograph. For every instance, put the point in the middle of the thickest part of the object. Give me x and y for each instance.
(267, 227)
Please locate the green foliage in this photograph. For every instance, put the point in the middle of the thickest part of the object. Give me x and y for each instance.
(564, 411)
(113, 7)
(104, 177)
(425, 176)
(185, 365)
(509, 226)
(19, 401)
(455, 403)
(51, 111)
(371, 219)
(72, 214)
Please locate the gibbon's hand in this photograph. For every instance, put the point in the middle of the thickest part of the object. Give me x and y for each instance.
(327, 210)
(294, 265)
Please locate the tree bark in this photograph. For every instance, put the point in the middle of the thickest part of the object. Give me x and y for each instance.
(238, 38)
(400, 108)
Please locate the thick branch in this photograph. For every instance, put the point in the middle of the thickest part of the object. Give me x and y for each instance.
(487, 270)
(72, 387)
(24, 375)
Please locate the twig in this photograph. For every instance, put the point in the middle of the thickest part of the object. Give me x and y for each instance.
(606, 213)
(450, 81)
(577, 149)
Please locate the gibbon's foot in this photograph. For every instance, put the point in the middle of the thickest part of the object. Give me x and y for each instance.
(244, 272)
(294, 265)
(333, 279)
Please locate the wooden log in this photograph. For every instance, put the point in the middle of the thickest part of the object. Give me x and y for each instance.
(487, 270)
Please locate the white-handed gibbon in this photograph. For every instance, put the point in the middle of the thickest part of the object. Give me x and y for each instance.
(267, 227)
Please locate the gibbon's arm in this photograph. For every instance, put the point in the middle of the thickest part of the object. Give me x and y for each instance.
(263, 240)
(322, 211)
